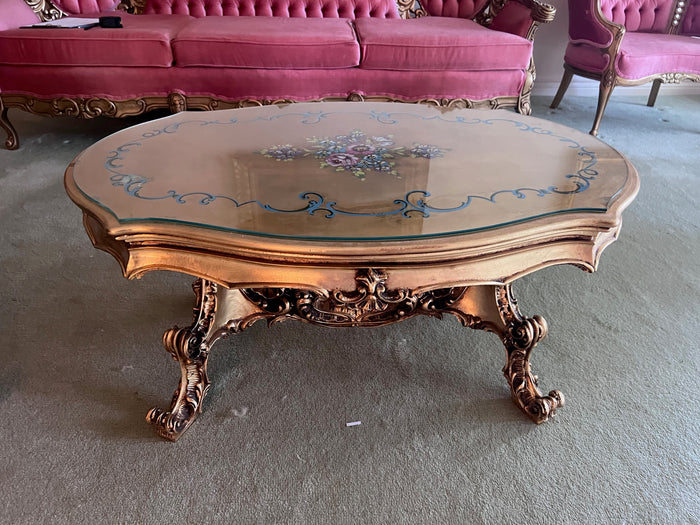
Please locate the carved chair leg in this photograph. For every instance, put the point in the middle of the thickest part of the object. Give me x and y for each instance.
(563, 86)
(605, 90)
(654, 92)
(12, 141)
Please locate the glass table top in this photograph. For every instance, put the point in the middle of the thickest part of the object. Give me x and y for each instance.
(350, 171)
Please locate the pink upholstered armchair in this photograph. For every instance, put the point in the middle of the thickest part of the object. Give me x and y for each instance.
(631, 42)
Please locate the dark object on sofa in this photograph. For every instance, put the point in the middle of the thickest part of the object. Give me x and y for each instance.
(111, 22)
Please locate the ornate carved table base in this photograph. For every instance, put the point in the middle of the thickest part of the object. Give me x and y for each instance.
(221, 311)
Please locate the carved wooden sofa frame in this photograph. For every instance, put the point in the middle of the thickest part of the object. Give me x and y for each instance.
(87, 108)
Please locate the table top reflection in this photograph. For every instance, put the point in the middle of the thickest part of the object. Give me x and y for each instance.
(351, 171)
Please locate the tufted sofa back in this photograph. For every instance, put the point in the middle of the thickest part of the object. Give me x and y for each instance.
(85, 6)
(454, 8)
(649, 16)
(283, 8)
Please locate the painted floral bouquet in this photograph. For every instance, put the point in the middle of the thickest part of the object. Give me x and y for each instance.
(355, 152)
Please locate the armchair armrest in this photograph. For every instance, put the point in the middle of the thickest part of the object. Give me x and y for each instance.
(519, 17)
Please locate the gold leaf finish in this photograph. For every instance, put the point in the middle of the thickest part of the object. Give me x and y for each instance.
(86, 108)
(355, 254)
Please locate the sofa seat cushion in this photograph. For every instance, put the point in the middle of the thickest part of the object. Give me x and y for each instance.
(641, 55)
(645, 54)
(267, 43)
(435, 43)
(143, 41)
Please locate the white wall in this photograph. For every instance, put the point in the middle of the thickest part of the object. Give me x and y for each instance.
(550, 44)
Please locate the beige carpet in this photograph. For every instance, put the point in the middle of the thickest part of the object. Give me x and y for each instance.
(440, 440)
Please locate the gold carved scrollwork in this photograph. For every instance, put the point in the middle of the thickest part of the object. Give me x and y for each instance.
(84, 107)
(489, 12)
(677, 78)
(76, 107)
(12, 140)
(521, 336)
(524, 107)
(177, 102)
(190, 347)
(208, 103)
(135, 7)
(540, 13)
(370, 304)
(410, 9)
(45, 9)
(223, 311)
(609, 78)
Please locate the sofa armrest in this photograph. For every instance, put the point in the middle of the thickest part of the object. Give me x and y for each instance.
(519, 17)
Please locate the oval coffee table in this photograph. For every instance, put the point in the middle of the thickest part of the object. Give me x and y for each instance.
(351, 214)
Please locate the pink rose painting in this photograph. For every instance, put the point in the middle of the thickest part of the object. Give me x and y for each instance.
(356, 152)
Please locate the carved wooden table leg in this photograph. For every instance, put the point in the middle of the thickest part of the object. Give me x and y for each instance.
(219, 312)
(190, 347)
(222, 311)
(493, 309)
(520, 337)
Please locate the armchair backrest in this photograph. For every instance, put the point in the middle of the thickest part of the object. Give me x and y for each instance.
(649, 16)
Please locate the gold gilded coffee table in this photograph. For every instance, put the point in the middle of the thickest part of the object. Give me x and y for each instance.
(350, 214)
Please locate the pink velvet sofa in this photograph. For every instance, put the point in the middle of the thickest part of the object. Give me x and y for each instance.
(631, 42)
(215, 54)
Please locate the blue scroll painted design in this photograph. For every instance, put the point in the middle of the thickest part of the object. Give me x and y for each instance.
(413, 203)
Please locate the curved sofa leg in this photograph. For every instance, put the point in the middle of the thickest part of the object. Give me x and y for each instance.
(607, 84)
(12, 140)
(654, 92)
(563, 86)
